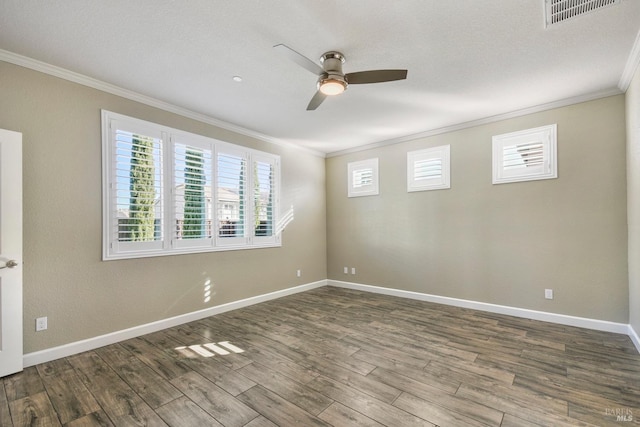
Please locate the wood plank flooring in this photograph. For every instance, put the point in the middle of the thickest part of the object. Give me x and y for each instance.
(339, 357)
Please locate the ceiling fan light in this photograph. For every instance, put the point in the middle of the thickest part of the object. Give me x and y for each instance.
(332, 87)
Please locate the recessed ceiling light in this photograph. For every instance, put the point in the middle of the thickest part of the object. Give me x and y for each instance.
(237, 79)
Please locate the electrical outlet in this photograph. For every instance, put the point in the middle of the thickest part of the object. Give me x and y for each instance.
(41, 324)
(353, 270)
(346, 270)
(299, 273)
(548, 293)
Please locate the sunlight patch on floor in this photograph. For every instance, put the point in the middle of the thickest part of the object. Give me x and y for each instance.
(222, 348)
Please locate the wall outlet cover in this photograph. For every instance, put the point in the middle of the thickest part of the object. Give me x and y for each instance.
(41, 324)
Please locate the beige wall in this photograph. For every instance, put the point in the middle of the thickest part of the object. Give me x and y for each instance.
(501, 244)
(498, 244)
(633, 191)
(64, 277)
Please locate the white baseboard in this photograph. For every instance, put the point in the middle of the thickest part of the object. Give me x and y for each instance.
(581, 322)
(70, 349)
(634, 337)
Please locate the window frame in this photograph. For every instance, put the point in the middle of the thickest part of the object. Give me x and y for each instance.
(442, 153)
(230, 242)
(544, 135)
(266, 240)
(371, 189)
(170, 243)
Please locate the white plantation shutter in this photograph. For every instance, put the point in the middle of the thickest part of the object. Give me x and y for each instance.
(265, 198)
(171, 192)
(192, 194)
(428, 169)
(134, 220)
(362, 178)
(525, 155)
(231, 197)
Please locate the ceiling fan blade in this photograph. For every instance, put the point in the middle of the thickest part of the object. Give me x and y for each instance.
(299, 59)
(375, 76)
(316, 101)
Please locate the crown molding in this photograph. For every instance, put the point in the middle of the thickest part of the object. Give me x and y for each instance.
(631, 66)
(100, 85)
(491, 119)
(52, 70)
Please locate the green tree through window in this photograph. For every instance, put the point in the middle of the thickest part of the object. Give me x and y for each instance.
(194, 199)
(142, 190)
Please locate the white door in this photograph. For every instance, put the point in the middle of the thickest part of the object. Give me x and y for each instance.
(10, 252)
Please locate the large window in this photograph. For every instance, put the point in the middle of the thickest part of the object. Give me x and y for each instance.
(170, 192)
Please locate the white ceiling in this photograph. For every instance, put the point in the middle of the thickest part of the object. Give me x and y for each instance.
(467, 59)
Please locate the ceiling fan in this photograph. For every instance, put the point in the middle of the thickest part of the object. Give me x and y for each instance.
(331, 79)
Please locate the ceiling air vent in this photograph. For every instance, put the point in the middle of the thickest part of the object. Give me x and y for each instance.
(560, 10)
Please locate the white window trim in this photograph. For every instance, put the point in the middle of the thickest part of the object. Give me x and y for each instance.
(372, 189)
(113, 249)
(441, 153)
(546, 135)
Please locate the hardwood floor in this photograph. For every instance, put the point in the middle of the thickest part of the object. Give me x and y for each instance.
(344, 358)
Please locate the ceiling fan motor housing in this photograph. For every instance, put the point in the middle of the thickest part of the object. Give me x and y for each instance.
(332, 63)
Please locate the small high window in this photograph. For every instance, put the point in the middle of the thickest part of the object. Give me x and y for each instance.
(363, 178)
(428, 169)
(525, 155)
